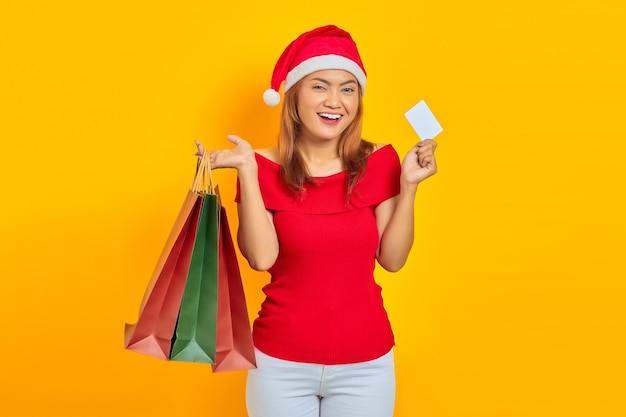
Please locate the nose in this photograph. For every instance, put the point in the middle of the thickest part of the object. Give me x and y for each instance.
(332, 100)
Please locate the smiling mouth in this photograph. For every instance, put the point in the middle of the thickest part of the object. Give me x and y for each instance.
(330, 116)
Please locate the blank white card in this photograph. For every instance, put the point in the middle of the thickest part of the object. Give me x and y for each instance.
(423, 121)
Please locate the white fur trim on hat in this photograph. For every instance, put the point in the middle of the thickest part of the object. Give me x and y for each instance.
(271, 97)
(324, 62)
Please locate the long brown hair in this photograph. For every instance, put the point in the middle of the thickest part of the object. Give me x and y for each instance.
(353, 150)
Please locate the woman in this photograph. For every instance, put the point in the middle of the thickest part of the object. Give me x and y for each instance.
(317, 212)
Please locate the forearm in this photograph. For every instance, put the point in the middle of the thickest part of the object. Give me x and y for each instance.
(398, 237)
(256, 235)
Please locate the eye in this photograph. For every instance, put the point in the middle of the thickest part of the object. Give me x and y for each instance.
(348, 90)
(318, 87)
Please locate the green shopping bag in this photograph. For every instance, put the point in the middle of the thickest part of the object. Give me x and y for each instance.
(196, 329)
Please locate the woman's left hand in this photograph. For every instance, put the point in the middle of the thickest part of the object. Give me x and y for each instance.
(419, 163)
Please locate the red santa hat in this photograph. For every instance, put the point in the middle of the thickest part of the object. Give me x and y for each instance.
(327, 47)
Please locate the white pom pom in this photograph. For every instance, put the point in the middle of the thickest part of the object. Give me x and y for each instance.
(271, 97)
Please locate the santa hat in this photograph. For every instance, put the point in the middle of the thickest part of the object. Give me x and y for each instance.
(327, 47)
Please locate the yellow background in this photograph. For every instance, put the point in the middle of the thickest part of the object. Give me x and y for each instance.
(512, 303)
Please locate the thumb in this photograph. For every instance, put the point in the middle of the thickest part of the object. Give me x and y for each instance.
(234, 139)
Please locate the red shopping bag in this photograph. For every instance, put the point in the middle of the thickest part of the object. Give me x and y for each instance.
(158, 313)
(234, 348)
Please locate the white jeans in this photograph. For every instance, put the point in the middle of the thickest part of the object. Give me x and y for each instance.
(279, 388)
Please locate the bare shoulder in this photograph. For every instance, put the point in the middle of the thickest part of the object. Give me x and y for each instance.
(269, 153)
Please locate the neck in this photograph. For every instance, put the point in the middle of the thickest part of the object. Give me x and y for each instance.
(318, 153)
(316, 149)
(320, 157)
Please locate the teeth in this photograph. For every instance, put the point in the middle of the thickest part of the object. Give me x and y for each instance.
(330, 116)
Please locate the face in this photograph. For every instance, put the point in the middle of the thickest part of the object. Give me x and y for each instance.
(328, 101)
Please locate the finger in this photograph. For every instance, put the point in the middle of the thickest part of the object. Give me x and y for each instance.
(234, 139)
(412, 154)
(425, 150)
(425, 157)
(428, 143)
(212, 159)
(432, 144)
(200, 148)
(216, 158)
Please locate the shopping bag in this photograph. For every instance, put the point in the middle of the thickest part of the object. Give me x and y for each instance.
(159, 308)
(234, 348)
(195, 298)
(194, 339)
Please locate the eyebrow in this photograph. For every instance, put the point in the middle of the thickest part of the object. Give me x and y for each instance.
(328, 82)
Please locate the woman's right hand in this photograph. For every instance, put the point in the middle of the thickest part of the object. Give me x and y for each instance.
(256, 234)
(239, 156)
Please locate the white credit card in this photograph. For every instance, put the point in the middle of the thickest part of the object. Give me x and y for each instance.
(423, 121)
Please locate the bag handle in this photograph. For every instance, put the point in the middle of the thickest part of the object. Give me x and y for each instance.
(203, 182)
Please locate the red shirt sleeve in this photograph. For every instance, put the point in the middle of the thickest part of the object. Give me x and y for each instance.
(381, 180)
